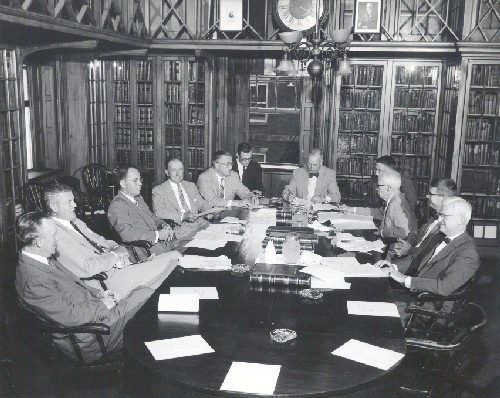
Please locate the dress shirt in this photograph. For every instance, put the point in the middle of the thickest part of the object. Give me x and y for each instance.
(385, 209)
(65, 223)
(240, 169)
(429, 229)
(311, 186)
(219, 180)
(36, 257)
(137, 204)
(175, 188)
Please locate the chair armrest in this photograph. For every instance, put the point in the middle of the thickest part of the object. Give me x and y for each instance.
(139, 243)
(427, 297)
(94, 328)
(437, 314)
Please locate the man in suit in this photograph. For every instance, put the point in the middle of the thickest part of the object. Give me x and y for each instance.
(368, 18)
(180, 201)
(220, 184)
(387, 163)
(131, 217)
(85, 253)
(446, 262)
(249, 171)
(439, 190)
(313, 182)
(52, 293)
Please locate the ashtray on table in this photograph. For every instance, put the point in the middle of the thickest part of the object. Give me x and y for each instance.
(283, 337)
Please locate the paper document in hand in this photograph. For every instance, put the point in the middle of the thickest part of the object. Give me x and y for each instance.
(254, 378)
(372, 308)
(351, 268)
(233, 220)
(204, 292)
(206, 244)
(178, 347)
(369, 354)
(322, 206)
(179, 303)
(221, 263)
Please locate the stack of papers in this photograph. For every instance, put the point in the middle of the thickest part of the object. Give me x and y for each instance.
(233, 220)
(360, 244)
(369, 354)
(372, 308)
(265, 217)
(347, 221)
(221, 263)
(179, 303)
(326, 278)
(178, 347)
(207, 244)
(254, 378)
(220, 232)
(351, 268)
(322, 206)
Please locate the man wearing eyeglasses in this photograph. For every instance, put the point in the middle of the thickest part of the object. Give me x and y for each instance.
(249, 171)
(129, 214)
(439, 190)
(220, 184)
(314, 182)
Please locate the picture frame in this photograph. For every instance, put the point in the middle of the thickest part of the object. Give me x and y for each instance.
(367, 16)
(231, 15)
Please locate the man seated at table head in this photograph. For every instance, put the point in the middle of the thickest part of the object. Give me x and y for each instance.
(85, 253)
(387, 163)
(447, 262)
(249, 171)
(179, 200)
(438, 191)
(129, 214)
(220, 184)
(313, 182)
(53, 293)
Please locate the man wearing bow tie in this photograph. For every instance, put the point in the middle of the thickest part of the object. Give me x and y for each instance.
(314, 182)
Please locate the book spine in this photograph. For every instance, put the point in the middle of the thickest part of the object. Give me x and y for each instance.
(281, 280)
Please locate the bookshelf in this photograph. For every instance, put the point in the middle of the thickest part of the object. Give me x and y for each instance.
(145, 116)
(173, 102)
(122, 111)
(97, 113)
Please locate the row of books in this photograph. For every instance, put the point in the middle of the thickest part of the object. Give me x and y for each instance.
(123, 138)
(363, 189)
(360, 121)
(121, 70)
(97, 91)
(360, 98)
(196, 157)
(123, 156)
(196, 71)
(484, 206)
(8, 87)
(171, 153)
(196, 114)
(196, 136)
(484, 103)
(121, 91)
(122, 114)
(421, 187)
(172, 71)
(494, 183)
(480, 129)
(364, 75)
(144, 70)
(421, 121)
(173, 92)
(173, 136)
(144, 93)
(278, 246)
(196, 93)
(9, 119)
(145, 115)
(355, 165)
(485, 75)
(413, 166)
(415, 98)
(412, 144)
(145, 139)
(173, 114)
(357, 143)
(417, 75)
(146, 159)
(480, 154)
(7, 64)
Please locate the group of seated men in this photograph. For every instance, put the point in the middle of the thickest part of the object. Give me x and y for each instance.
(61, 256)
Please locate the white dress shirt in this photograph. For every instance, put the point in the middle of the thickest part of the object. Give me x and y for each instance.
(240, 169)
(36, 257)
(219, 180)
(311, 187)
(175, 188)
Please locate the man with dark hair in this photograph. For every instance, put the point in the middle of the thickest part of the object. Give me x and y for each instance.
(313, 182)
(249, 171)
(85, 253)
(129, 214)
(387, 163)
(53, 293)
(439, 190)
(220, 184)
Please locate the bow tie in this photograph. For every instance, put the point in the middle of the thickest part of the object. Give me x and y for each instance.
(311, 175)
(445, 239)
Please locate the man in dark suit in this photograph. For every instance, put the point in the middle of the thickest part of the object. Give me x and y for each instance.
(220, 184)
(131, 217)
(249, 171)
(180, 201)
(54, 294)
(313, 182)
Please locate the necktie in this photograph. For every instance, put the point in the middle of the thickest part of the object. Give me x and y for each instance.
(222, 188)
(426, 252)
(244, 171)
(94, 244)
(311, 175)
(184, 205)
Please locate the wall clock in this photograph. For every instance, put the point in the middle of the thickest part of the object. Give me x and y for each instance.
(298, 14)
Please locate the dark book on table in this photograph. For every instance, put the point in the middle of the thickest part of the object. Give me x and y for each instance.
(280, 274)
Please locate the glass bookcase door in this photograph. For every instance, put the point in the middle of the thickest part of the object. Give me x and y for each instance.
(145, 116)
(413, 124)
(360, 122)
(97, 112)
(173, 100)
(122, 111)
(196, 119)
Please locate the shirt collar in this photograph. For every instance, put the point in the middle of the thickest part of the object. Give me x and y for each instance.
(454, 236)
(36, 257)
(129, 197)
(64, 223)
(173, 184)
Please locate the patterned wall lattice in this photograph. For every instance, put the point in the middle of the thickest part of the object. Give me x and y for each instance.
(485, 21)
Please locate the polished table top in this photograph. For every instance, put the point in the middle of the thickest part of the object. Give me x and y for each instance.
(237, 327)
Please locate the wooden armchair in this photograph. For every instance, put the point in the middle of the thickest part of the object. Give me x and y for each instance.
(33, 197)
(100, 185)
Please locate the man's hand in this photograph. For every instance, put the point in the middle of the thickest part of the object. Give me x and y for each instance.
(318, 199)
(166, 233)
(382, 264)
(402, 247)
(256, 192)
(122, 262)
(120, 251)
(396, 275)
(241, 203)
(290, 197)
(189, 216)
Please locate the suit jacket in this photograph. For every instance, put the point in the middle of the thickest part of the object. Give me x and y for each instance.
(326, 184)
(409, 190)
(398, 219)
(209, 188)
(416, 237)
(448, 270)
(252, 177)
(55, 294)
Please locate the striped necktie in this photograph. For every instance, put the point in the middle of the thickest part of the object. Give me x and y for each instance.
(222, 189)
(94, 244)
(182, 198)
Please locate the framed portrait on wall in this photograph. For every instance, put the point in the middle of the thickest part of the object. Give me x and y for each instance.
(367, 16)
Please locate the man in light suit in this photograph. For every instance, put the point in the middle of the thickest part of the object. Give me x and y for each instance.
(131, 217)
(439, 190)
(180, 201)
(52, 293)
(85, 253)
(220, 184)
(249, 171)
(313, 182)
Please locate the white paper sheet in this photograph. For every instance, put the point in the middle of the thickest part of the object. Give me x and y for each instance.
(178, 347)
(263, 217)
(221, 263)
(347, 221)
(326, 278)
(254, 378)
(179, 303)
(317, 226)
(220, 232)
(204, 292)
(360, 244)
(322, 206)
(351, 268)
(233, 220)
(340, 284)
(370, 308)
(206, 244)
(368, 354)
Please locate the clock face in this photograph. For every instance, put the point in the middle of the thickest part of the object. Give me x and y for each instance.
(298, 14)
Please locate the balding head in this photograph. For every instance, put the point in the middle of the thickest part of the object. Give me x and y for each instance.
(175, 170)
(389, 183)
(314, 160)
(455, 215)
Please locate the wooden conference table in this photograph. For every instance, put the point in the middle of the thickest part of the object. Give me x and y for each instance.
(237, 327)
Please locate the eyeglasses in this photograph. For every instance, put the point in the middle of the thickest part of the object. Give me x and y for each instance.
(433, 194)
(136, 180)
(245, 159)
(228, 164)
(379, 186)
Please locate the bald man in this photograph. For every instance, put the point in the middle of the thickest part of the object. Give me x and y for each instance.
(180, 201)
